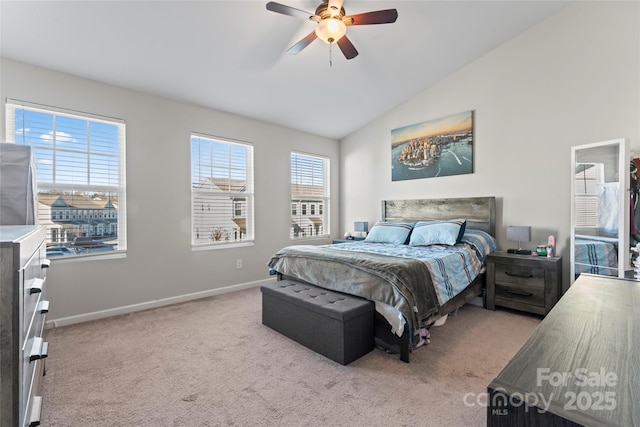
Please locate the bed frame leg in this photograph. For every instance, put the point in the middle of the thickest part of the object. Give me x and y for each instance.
(404, 347)
(404, 354)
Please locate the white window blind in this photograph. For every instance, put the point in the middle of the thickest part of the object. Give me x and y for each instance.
(589, 181)
(309, 196)
(221, 191)
(80, 173)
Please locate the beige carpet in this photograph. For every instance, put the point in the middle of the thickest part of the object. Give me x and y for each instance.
(211, 362)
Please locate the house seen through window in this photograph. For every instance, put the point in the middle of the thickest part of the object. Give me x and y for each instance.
(80, 174)
(221, 191)
(309, 196)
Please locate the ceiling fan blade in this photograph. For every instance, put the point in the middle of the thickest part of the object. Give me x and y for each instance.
(296, 48)
(386, 16)
(347, 48)
(288, 10)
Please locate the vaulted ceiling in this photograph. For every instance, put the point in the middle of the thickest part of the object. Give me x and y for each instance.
(231, 55)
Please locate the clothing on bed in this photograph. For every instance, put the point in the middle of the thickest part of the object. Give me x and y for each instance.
(608, 211)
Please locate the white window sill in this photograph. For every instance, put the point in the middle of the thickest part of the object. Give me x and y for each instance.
(88, 257)
(308, 239)
(222, 246)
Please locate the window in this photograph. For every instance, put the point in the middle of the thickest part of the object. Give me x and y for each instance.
(221, 191)
(309, 186)
(589, 186)
(80, 165)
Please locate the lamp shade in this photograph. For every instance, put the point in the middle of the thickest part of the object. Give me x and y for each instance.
(361, 226)
(519, 233)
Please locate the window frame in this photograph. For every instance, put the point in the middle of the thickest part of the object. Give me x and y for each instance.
(302, 203)
(120, 189)
(248, 194)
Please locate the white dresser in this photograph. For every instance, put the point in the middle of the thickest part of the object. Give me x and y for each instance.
(23, 308)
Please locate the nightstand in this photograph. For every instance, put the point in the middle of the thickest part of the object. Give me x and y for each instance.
(354, 239)
(523, 282)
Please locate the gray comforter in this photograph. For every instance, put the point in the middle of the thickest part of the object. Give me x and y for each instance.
(402, 283)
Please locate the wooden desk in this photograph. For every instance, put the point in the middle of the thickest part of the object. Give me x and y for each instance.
(581, 364)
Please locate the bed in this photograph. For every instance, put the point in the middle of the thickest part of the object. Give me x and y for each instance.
(596, 255)
(413, 281)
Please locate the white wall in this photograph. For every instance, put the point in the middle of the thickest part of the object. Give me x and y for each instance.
(160, 263)
(572, 79)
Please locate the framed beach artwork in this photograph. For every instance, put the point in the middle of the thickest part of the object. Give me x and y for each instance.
(438, 147)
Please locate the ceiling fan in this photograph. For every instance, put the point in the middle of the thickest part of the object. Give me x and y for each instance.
(332, 23)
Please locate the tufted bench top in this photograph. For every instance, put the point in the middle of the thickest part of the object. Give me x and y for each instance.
(323, 301)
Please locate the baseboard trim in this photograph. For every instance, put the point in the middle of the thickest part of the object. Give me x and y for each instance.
(96, 315)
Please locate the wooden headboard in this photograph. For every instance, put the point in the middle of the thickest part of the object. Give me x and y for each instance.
(480, 212)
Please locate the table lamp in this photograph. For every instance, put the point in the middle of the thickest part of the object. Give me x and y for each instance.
(519, 234)
(361, 227)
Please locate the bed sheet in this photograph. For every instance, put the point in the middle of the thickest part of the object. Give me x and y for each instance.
(452, 268)
(449, 270)
(596, 257)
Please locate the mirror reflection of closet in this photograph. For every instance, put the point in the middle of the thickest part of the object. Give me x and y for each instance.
(600, 225)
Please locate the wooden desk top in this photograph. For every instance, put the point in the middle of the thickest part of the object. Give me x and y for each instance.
(583, 359)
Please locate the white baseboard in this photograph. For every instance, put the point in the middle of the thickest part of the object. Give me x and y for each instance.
(80, 318)
(65, 321)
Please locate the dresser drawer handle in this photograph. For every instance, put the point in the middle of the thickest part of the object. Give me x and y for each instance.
(519, 274)
(43, 306)
(36, 411)
(39, 349)
(37, 286)
(521, 293)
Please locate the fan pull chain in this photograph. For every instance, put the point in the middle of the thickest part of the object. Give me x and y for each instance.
(330, 62)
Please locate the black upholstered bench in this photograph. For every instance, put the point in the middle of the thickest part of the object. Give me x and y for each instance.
(336, 325)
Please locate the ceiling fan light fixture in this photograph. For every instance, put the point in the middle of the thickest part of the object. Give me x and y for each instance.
(331, 24)
(330, 30)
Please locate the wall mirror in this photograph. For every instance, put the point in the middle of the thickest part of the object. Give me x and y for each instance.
(600, 196)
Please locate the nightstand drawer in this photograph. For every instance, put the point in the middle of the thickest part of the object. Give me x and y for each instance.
(520, 282)
(533, 295)
(519, 275)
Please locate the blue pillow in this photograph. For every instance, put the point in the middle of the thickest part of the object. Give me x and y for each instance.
(447, 232)
(389, 232)
(482, 242)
